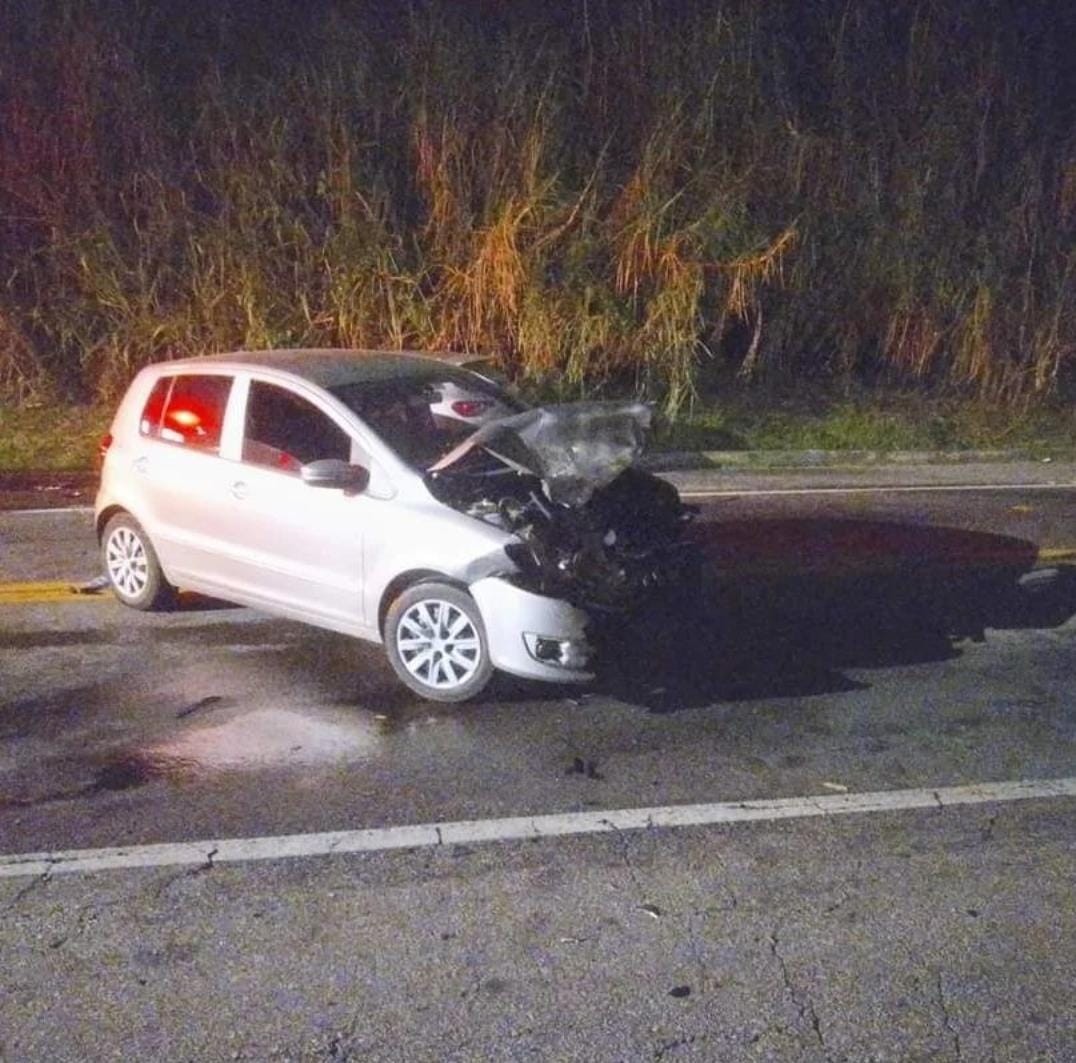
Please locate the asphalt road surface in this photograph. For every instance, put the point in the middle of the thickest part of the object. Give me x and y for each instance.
(853, 747)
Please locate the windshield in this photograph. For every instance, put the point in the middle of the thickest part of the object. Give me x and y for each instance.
(421, 417)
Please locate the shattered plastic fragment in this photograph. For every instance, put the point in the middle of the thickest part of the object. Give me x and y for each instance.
(589, 768)
(204, 703)
(93, 586)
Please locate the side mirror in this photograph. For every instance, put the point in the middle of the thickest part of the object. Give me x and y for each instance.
(336, 474)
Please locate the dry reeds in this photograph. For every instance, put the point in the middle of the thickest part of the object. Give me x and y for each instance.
(795, 189)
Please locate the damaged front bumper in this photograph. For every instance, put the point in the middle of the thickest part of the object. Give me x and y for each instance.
(531, 635)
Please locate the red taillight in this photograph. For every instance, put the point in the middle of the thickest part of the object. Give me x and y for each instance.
(102, 448)
(470, 407)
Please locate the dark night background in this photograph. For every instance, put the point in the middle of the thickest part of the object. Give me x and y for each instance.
(653, 192)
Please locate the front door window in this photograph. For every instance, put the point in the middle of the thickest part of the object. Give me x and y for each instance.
(283, 431)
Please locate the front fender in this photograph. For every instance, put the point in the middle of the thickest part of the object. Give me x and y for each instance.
(509, 611)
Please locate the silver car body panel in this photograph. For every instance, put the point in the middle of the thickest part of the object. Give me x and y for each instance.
(509, 612)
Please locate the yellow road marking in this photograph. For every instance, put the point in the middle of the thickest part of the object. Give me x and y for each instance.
(46, 591)
(1058, 553)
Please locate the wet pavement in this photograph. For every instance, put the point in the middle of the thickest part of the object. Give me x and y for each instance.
(793, 685)
(910, 648)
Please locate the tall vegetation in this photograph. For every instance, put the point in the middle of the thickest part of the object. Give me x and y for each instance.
(637, 191)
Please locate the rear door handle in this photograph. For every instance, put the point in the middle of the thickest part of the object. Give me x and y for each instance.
(239, 490)
(141, 465)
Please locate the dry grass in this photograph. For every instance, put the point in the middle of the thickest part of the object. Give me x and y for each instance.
(672, 190)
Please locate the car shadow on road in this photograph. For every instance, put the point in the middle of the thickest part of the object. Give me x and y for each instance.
(783, 607)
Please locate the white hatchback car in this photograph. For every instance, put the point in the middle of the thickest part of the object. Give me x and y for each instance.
(319, 485)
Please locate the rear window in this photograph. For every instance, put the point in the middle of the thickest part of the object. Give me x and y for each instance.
(188, 410)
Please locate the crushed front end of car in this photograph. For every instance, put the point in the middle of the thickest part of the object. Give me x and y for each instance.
(588, 527)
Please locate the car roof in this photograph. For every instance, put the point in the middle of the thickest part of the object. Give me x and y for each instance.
(331, 367)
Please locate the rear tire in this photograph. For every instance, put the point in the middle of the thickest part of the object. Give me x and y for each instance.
(132, 567)
(436, 642)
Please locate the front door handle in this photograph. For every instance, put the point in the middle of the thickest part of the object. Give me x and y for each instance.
(239, 490)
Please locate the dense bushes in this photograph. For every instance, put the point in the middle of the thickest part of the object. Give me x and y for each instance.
(598, 190)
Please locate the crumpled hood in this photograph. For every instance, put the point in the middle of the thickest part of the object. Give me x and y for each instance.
(574, 448)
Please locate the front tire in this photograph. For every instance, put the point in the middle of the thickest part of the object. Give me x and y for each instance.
(132, 567)
(436, 642)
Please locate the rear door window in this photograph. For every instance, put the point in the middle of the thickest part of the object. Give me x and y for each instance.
(188, 410)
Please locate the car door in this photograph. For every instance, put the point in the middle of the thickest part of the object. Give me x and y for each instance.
(177, 473)
(293, 547)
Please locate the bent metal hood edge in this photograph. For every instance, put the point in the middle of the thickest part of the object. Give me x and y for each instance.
(574, 448)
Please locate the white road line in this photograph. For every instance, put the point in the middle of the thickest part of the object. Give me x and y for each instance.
(872, 490)
(523, 828)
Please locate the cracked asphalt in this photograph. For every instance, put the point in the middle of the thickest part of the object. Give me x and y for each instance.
(895, 937)
(916, 661)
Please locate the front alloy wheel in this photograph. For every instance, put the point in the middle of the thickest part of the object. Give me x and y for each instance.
(131, 565)
(436, 642)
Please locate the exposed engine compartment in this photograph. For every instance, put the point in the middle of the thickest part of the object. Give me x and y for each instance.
(593, 530)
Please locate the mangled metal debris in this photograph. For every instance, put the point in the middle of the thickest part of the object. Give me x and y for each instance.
(590, 527)
(574, 448)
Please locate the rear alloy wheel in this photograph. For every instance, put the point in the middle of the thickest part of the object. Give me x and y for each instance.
(436, 642)
(132, 567)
